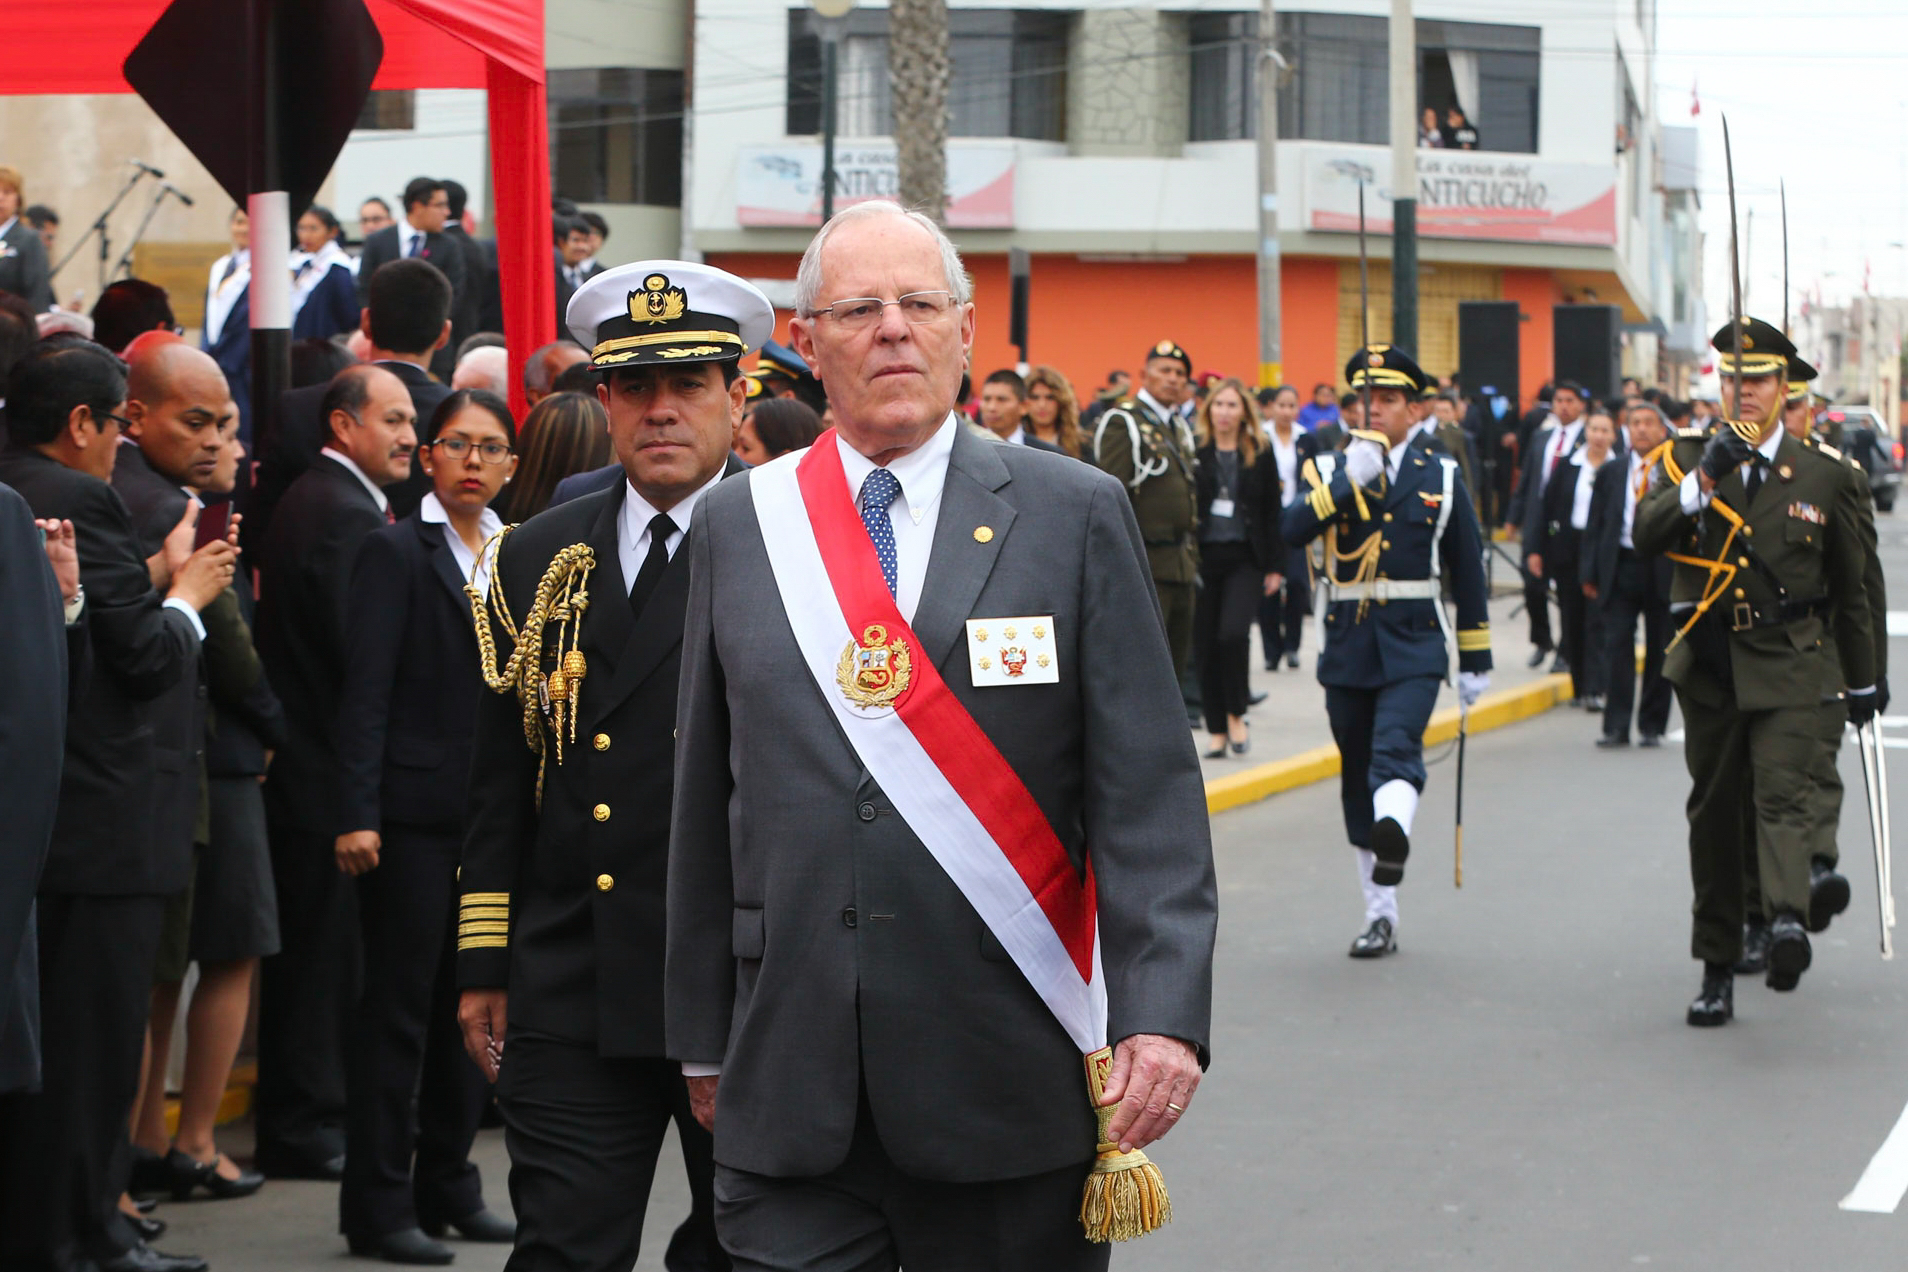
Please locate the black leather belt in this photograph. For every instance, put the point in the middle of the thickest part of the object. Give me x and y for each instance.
(1744, 615)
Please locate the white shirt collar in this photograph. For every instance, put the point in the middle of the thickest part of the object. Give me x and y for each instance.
(633, 529)
(1164, 412)
(922, 472)
(1772, 443)
(1018, 437)
(407, 235)
(1395, 458)
(488, 524)
(8, 224)
(384, 505)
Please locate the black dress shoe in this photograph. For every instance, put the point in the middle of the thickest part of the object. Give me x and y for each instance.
(143, 1258)
(188, 1174)
(1755, 950)
(1391, 846)
(148, 1229)
(1789, 953)
(277, 1162)
(1375, 941)
(1240, 748)
(1559, 664)
(1613, 741)
(480, 1225)
(1716, 1002)
(1272, 663)
(148, 1173)
(145, 1205)
(1651, 740)
(1217, 753)
(407, 1245)
(1254, 699)
(1291, 660)
(1537, 657)
(1828, 894)
(1593, 702)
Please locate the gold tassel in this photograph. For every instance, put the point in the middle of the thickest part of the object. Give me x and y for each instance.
(1125, 1196)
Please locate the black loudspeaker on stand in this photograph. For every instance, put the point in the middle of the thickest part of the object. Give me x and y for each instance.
(1587, 348)
(1488, 347)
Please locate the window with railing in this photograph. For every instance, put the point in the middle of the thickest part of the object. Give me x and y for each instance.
(616, 135)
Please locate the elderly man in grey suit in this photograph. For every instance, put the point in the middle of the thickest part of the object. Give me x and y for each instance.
(939, 831)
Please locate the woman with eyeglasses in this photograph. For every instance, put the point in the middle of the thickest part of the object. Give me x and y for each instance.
(408, 713)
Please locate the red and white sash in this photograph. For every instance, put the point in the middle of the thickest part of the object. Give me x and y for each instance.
(943, 774)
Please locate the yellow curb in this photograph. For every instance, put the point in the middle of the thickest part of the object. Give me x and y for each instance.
(1493, 711)
(233, 1105)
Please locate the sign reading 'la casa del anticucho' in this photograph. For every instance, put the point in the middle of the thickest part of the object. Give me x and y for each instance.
(1467, 194)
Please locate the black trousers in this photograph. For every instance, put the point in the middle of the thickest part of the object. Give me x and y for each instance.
(406, 1046)
(1282, 615)
(867, 1216)
(58, 1191)
(307, 992)
(584, 1132)
(1380, 737)
(1635, 595)
(1537, 609)
(1572, 612)
(1231, 586)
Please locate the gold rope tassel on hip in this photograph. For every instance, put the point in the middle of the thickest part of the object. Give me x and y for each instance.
(1125, 1195)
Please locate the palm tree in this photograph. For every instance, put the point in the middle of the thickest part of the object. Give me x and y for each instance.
(918, 66)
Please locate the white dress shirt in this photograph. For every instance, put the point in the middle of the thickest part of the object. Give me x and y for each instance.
(1016, 438)
(488, 524)
(1562, 439)
(1285, 454)
(1394, 458)
(1586, 476)
(1695, 498)
(632, 528)
(351, 465)
(220, 297)
(408, 234)
(922, 473)
(1627, 538)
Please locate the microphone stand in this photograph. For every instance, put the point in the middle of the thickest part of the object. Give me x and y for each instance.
(124, 268)
(99, 227)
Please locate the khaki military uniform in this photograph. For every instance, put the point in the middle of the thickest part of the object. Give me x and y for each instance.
(1154, 458)
(1791, 627)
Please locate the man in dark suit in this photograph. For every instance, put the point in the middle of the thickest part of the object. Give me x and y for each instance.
(576, 485)
(855, 964)
(572, 236)
(479, 277)
(1627, 585)
(1550, 446)
(34, 667)
(23, 266)
(406, 321)
(419, 234)
(307, 988)
(561, 932)
(1003, 410)
(110, 869)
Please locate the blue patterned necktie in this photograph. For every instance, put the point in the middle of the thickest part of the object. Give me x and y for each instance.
(879, 490)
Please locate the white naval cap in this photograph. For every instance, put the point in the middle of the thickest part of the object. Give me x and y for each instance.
(668, 311)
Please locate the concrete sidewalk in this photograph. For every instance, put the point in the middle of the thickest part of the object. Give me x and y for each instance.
(1292, 740)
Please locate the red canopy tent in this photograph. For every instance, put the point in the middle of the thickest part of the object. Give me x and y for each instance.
(495, 45)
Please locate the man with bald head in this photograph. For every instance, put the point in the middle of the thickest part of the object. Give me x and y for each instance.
(900, 1040)
(306, 988)
(486, 367)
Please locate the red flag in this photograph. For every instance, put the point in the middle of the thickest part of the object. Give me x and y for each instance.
(1695, 102)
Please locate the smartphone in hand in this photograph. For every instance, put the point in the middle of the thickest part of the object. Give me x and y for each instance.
(213, 520)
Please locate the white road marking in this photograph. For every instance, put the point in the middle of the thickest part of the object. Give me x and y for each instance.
(1898, 622)
(1881, 1186)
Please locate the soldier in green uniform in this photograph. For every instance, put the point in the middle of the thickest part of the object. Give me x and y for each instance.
(1143, 440)
(1773, 605)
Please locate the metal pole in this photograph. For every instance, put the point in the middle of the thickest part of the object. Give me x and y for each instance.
(1271, 353)
(831, 44)
(269, 209)
(1404, 178)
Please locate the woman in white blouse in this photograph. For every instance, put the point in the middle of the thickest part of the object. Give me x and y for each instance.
(1282, 614)
(324, 291)
(1557, 554)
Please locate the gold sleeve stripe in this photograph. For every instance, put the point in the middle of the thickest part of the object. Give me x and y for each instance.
(483, 942)
(484, 912)
(1309, 473)
(484, 925)
(486, 898)
(1472, 642)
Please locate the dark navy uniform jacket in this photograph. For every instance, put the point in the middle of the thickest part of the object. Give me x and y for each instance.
(1392, 640)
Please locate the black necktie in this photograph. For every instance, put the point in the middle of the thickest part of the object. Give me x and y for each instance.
(660, 528)
(1754, 480)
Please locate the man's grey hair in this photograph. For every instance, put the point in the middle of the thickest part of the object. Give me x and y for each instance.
(1655, 410)
(808, 279)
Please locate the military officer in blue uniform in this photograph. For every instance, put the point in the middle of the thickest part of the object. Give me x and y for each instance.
(1395, 516)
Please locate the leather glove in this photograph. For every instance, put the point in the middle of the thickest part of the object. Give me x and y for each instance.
(1725, 453)
(1881, 696)
(1471, 686)
(1861, 706)
(1364, 461)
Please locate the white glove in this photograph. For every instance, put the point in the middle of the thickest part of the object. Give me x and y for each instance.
(1471, 686)
(1364, 461)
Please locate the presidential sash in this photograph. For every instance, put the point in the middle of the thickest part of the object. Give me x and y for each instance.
(947, 780)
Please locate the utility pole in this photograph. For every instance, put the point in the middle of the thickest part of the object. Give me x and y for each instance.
(831, 17)
(1271, 353)
(1404, 178)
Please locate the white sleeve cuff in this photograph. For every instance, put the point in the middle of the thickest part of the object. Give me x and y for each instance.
(192, 615)
(1694, 500)
(71, 610)
(690, 1069)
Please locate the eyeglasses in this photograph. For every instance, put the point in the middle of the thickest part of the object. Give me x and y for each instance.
(120, 420)
(860, 312)
(456, 448)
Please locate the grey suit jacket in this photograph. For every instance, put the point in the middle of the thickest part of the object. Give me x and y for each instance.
(814, 944)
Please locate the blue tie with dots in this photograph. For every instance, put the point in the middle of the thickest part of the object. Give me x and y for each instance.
(877, 492)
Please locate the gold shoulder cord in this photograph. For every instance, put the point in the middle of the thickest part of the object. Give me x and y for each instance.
(562, 597)
(1364, 557)
(1721, 572)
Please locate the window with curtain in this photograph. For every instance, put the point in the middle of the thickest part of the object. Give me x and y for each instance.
(616, 135)
(1008, 78)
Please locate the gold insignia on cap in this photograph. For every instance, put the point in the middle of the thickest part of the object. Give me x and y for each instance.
(1164, 348)
(657, 301)
(1375, 360)
(983, 534)
(1748, 342)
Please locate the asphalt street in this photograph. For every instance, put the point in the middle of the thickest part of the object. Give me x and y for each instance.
(1515, 1089)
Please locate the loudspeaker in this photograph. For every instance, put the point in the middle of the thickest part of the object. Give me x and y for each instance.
(1586, 347)
(1488, 332)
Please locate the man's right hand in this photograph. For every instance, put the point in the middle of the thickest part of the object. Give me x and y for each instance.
(480, 1013)
(702, 1097)
(1364, 461)
(1535, 564)
(357, 851)
(1725, 452)
(205, 573)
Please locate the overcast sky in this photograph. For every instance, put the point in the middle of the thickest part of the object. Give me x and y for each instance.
(1816, 95)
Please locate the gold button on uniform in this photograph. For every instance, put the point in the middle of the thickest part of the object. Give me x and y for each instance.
(983, 534)
(600, 741)
(601, 812)
(604, 883)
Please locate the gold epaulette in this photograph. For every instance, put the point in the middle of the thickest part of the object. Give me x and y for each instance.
(1828, 450)
(483, 921)
(1474, 639)
(1694, 433)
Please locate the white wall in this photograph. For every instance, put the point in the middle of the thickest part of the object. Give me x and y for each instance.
(451, 139)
